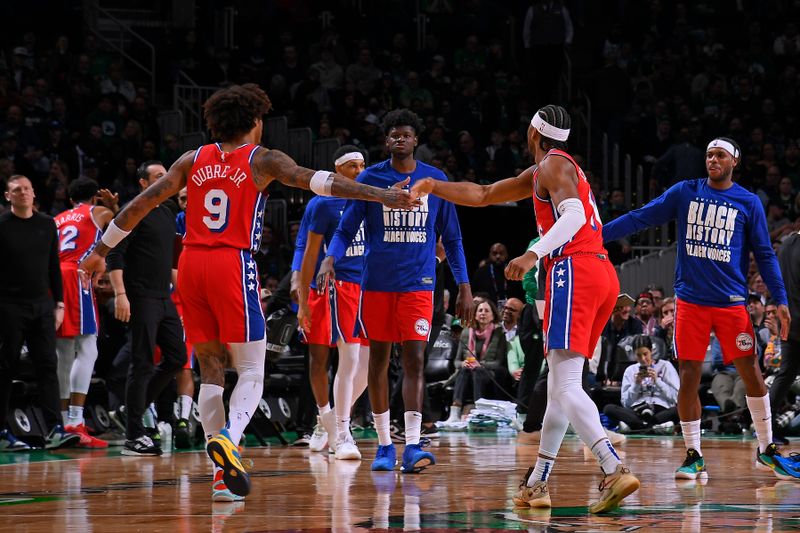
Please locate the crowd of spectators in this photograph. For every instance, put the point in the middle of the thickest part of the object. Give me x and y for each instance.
(663, 79)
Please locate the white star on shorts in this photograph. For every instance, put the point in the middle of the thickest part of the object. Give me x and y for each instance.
(560, 271)
(251, 286)
(560, 283)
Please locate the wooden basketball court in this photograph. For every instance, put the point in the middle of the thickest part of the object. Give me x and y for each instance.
(294, 489)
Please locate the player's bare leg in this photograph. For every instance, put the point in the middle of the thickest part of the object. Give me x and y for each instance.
(213, 358)
(325, 430)
(694, 466)
(378, 389)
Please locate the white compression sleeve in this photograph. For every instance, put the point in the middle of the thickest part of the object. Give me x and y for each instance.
(80, 377)
(571, 217)
(65, 350)
(248, 359)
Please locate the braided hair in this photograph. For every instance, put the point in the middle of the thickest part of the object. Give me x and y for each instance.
(557, 116)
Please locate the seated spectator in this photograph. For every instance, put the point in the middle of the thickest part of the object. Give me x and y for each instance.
(758, 318)
(511, 312)
(649, 393)
(666, 328)
(645, 311)
(727, 386)
(480, 358)
(621, 325)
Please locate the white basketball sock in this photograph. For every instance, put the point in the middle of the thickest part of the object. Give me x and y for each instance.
(75, 415)
(761, 412)
(413, 421)
(248, 359)
(554, 427)
(211, 409)
(691, 435)
(185, 409)
(382, 427)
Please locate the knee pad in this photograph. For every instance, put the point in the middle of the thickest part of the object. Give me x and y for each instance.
(248, 359)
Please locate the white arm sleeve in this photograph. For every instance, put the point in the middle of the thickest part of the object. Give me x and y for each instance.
(571, 218)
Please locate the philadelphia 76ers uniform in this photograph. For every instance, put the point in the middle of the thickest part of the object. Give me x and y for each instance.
(716, 231)
(399, 255)
(77, 234)
(334, 312)
(217, 276)
(582, 285)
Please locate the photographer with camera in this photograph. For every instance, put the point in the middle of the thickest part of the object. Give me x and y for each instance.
(649, 393)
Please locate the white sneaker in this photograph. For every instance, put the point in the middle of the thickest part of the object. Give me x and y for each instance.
(624, 428)
(614, 437)
(666, 428)
(346, 448)
(319, 439)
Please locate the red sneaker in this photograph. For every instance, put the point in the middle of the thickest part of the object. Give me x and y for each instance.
(87, 441)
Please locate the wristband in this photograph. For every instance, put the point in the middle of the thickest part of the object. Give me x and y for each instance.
(113, 235)
(321, 182)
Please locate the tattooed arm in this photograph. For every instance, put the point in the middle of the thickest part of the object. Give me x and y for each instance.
(271, 165)
(167, 186)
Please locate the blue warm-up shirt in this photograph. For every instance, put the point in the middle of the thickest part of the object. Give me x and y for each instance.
(716, 231)
(401, 244)
(300, 245)
(324, 213)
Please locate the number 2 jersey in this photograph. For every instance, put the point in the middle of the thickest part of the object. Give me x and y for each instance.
(77, 234)
(224, 207)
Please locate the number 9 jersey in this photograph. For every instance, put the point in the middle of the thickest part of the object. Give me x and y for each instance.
(217, 276)
(224, 208)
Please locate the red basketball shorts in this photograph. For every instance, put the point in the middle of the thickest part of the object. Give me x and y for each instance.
(693, 325)
(396, 316)
(80, 309)
(176, 299)
(220, 295)
(333, 314)
(580, 294)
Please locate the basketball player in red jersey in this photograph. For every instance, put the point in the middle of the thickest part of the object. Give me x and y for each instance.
(581, 291)
(227, 184)
(79, 229)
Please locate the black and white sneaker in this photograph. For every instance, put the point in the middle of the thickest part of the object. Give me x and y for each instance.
(430, 432)
(10, 443)
(397, 433)
(143, 446)
(59, 438)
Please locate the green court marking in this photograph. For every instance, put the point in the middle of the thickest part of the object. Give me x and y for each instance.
(24, 500)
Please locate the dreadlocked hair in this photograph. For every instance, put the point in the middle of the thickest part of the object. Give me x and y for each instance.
(232, 112)
(557, 116)
(402, 117)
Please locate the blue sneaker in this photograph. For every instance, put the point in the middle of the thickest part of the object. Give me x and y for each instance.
(10, 443)
(783, 468)
(385, 459)
(415, 459)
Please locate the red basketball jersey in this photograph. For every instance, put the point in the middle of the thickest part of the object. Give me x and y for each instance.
(224, 208)
(589, 238)
(77, 233)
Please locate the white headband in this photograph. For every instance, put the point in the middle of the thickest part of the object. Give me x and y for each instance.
(548, 130)
(349, 156)
(725, 145)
